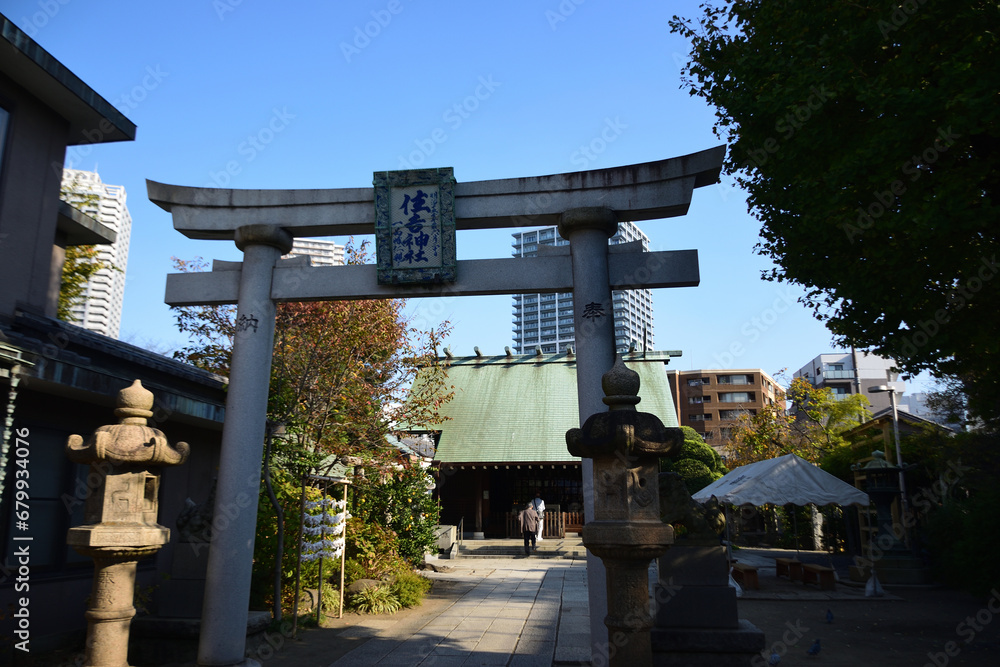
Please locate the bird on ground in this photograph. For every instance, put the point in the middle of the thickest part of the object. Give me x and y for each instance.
(774, 659)
(829, 616)
(814, 649)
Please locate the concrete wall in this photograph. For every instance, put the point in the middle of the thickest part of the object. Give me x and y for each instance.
(29, 199)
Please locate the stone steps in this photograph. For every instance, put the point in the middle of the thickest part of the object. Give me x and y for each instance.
(550, 548)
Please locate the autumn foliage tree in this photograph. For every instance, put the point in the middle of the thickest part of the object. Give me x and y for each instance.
(340, 384)
(81, 263)
(340, 373)
(341, 376)
(812, 429)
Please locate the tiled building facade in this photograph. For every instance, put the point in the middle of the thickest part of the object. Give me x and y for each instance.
(712, 401)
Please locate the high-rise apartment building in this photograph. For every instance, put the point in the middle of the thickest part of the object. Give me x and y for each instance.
(322, 252)
(101, 308)
(713, 401)
(546, 320)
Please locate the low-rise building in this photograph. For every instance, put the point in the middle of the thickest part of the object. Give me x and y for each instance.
(713, 401)
(58, 380)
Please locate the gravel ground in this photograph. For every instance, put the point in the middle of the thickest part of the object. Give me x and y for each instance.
(927, 626)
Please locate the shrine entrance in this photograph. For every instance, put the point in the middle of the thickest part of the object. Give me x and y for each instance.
(414, 216)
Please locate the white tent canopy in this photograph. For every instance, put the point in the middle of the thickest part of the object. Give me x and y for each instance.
(779, 481)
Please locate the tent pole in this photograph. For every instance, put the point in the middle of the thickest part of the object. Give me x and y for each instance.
(795, 522)
(729, 539)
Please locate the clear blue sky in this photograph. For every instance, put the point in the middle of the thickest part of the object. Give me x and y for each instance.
(297, 95)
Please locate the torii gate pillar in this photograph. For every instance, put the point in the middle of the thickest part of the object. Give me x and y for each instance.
(586, 205)
(224, 610)
(588, 231)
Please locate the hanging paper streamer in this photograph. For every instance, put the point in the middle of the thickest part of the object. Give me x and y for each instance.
(323, 528)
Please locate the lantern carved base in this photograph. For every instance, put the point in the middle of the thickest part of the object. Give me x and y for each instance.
(626, 550)
(110, 612)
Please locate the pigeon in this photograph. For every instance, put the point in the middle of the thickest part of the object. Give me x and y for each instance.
(814, 649)
(829, 616)
(774, 659)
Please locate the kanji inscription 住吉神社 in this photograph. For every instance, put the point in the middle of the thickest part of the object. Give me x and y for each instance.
(415, 226)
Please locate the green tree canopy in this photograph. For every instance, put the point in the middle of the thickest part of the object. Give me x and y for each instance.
(82, 262)
(697, 463)
(866, 135)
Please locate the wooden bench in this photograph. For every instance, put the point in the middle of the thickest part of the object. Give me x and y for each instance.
(746, 576)
(790, 567)
(820, 575)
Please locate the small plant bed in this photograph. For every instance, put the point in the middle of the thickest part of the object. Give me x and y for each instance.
(405, 589)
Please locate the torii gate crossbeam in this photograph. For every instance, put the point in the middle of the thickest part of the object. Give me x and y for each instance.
(586, 205)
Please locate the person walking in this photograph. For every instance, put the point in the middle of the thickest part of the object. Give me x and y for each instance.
(539, 506)
(528, 520)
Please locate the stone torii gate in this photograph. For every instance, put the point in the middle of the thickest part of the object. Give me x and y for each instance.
(587, 206)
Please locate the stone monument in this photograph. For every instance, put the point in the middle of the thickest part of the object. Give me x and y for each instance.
(696, 616)
(120, 516)
(626, 531)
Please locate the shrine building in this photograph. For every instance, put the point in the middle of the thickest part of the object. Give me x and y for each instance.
(503, 437)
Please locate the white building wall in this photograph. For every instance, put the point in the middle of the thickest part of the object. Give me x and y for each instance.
(546, 320)
(836, 371)
(101, 309)
(322, 251)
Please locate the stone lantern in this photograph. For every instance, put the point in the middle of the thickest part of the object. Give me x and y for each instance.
(882, 485)
(626, 533)
(120, 517)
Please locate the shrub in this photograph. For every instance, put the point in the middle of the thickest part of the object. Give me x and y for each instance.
(374, 549)
(962, 539)
(331, 599)
(399, 500)
(288, 491)
(353, 570)
(696, 462)
(410, 587)
(376, 600)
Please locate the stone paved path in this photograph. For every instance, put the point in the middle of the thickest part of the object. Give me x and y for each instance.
(518, 612)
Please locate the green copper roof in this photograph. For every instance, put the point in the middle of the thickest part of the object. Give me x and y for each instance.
(518, 409)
